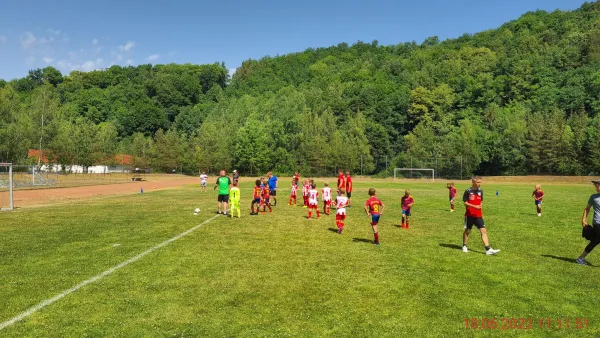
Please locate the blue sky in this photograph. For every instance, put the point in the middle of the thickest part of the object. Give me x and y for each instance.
(84, 35)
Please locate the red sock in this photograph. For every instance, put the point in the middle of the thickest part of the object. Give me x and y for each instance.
(318, 213)
(407, 224)
(452, 207)
(252, 208)
(310, 213)
(376, 237)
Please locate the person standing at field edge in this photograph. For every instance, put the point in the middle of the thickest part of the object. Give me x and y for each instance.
(273, 184)
(349, 187)
(341, 182)
(473, 198)
(594, 232)
(223, 183)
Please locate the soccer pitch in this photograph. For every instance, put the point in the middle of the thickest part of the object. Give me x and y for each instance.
(279, 274)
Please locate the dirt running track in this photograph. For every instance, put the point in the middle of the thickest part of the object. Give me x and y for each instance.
(25, 198)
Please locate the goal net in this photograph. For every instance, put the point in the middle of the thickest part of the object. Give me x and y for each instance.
(6, 187)
(425, 174)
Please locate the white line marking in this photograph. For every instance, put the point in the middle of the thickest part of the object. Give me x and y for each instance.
(49, 301)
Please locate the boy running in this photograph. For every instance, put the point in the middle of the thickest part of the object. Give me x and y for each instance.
(203, 179)
(407, 202)
(234, 198)
(341, 202)
(374, 209)
(538, 195)
(473, 198)
(294, 193)
(313, 201)
(452, 193)
(256, 198)
(326, 199)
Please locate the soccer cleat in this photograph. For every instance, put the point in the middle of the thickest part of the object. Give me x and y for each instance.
(539, 214)
(581, 261)
(491, 251)
(465, 249)
(304, 206)
(451, 210)
(376, 243)
(340, 230)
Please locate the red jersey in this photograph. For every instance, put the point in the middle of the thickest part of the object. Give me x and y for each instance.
(294, 189)
(265, 192)
(406, 201)
(538, 194)
(305, 189)
(257, 191)
(452, 191)
(348, 183)
(374, 205)
(341, 183)
(474, 197)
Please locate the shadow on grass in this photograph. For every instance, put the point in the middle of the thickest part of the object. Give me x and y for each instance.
(333, 230)
(566, 259)
(363, 240)
(458, 247)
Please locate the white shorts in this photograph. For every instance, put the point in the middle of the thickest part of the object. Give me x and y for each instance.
(313, 202)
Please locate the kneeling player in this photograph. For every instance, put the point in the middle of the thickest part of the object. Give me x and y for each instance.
(341, 202)
(374, 208)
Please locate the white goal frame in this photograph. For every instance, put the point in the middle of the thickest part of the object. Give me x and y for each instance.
(10, 187)
(415, 169)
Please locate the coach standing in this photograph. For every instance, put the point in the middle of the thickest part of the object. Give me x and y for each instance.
(273, 183)
(223, 183)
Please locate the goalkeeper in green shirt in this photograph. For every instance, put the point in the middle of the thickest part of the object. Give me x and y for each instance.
(234, 199)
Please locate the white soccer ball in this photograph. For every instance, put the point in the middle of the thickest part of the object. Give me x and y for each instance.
(196, 211)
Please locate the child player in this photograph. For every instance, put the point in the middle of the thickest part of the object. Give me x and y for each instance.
(374, 208)
(341, 202)
(203, 179)
(305, 189)
(234, 199)
(452, 192)
(266, 198)
(326, 199)
(407, 202)
(313, 201)
(293, 193)
(538, 195)
(256, 197)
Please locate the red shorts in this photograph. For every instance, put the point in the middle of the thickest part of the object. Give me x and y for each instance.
(327, 202)
(340, 217)
(314, 206)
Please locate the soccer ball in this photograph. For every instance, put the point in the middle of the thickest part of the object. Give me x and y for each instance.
(196, 211)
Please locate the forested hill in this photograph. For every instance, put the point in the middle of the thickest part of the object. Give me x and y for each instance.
(523, 98)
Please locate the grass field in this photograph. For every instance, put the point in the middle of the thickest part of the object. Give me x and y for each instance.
(281, 275)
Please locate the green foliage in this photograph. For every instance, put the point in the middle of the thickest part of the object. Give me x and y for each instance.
(520, 99)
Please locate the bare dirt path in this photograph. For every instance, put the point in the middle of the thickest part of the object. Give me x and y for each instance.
(25, 198)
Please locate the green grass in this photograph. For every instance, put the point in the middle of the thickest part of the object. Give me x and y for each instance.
(281, 275)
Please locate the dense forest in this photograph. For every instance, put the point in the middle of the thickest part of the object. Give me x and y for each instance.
(520, 99)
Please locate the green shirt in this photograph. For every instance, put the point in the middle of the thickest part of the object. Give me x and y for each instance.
(223, 183)
(234, 195)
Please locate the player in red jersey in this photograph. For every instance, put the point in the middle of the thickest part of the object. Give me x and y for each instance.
(305, 189)
(266, 196)
(313, 201)
(452, 193)
(296, 178)
(538, 195)
(349, 186)
(293, 192)
(374, 208)
(341, 182)
(407, 202)
(341, 202)
(256, 197)
(473, 198)
(326, 199)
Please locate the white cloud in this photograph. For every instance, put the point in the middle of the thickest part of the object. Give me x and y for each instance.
(127, 47)
(88, 66)
(3, 39)
(48, 60)
(95, 42)
(153, 57)
(28, 40)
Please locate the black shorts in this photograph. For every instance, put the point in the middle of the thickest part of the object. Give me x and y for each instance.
(272, 192)
(223, 198)
(476, 221)
(349, 194)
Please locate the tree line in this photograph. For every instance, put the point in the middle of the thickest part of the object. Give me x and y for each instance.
(520, 99)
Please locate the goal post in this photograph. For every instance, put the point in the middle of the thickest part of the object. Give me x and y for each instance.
(415, 173)
(6, 187)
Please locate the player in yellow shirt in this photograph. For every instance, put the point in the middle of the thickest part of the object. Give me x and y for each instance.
(234, 199)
